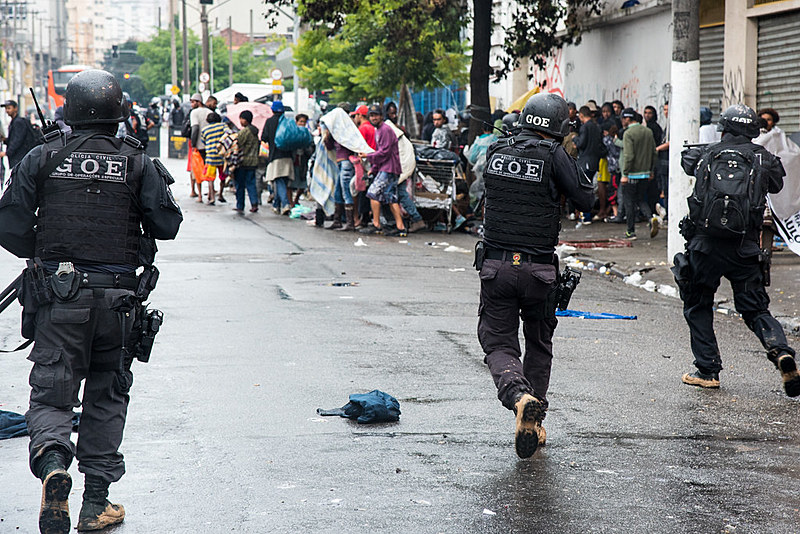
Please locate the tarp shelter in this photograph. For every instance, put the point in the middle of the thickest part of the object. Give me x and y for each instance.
(520, 102)
(251, 90)
(261, 112)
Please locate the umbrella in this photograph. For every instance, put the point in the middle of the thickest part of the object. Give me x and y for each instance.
(261, 112)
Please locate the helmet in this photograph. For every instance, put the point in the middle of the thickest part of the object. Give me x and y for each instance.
(94, 97)
(739, 120)
(510, 121)
(547, 113)
(155, 101)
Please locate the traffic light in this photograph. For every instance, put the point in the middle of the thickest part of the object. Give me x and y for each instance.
(114, 51)
(127, 75)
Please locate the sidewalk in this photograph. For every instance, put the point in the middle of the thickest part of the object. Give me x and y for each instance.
(648, 258)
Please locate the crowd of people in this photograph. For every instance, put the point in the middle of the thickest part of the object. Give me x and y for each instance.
(623, 151)
(371, 155)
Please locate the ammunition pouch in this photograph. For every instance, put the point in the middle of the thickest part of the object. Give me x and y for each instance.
(147, 282)
(34, 293)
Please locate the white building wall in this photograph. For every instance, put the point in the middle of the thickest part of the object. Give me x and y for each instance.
(629, 61)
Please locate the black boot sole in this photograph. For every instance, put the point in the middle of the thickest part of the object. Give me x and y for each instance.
(54, 513)
(527, 440)
(791, 380)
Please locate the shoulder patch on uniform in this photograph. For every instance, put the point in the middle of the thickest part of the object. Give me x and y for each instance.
(90, 166)
(528, 169)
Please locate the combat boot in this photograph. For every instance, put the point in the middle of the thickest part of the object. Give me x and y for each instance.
(97, 512)
(701, 379)
(56, 485)
(349, 225)
(791, 380)
(530, 413)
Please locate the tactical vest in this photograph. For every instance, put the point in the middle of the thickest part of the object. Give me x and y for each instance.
(88, 206)
(519, 209)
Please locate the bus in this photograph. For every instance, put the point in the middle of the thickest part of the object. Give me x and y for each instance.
(57, 81)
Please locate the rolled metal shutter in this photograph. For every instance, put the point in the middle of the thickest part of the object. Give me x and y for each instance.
(712, 52)
(779, 68)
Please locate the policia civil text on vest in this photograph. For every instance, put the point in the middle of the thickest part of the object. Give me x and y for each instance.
(85, 212)
(525, 176)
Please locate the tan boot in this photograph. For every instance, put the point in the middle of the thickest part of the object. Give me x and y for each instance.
(54, 511)
(791, 380)
(530, 413)
(542, 436)
(94, 518)
(97, 512)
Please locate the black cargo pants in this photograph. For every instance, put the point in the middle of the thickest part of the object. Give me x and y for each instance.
(78, 340)
(749, 297)
(508, 292)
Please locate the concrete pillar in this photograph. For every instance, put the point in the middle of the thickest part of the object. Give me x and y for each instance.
(684, 112)
(740, 63)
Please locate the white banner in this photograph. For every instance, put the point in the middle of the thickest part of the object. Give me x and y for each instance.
(785, 206)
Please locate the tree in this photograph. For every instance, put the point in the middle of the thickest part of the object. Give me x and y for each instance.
(540, 27)
(369, 49)
(149, 61)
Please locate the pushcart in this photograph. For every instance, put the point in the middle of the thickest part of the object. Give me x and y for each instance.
(435, 186)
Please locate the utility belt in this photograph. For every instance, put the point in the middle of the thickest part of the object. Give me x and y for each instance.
(39, 288)
(566, 281)
(517, 257)
(482, 252)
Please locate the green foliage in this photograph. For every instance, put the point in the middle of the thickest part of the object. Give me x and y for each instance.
(368, 49)
(151, 63)
(537, 29)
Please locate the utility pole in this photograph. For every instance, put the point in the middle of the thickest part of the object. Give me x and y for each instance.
(173, 53)
(204, 24)
(684, 111)
(186, 85)
(230, 52)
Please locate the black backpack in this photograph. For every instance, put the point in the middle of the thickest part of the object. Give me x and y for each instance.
(729, 194)
(186, 128)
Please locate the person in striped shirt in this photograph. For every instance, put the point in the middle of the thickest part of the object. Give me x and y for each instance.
(211, 135)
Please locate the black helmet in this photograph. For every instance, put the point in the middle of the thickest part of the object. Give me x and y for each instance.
(547, 113)
(739, 120)
(510, 121)
(94, 97)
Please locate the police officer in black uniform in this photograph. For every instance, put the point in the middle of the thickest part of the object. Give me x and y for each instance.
(88, 213)
(525, 177)
(738, 258)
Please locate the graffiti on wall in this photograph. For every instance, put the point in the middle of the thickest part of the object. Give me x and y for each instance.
(732, 88)
(628, 91)
(550, 79)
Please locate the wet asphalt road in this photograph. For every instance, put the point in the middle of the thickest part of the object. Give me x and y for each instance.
(222, 433)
